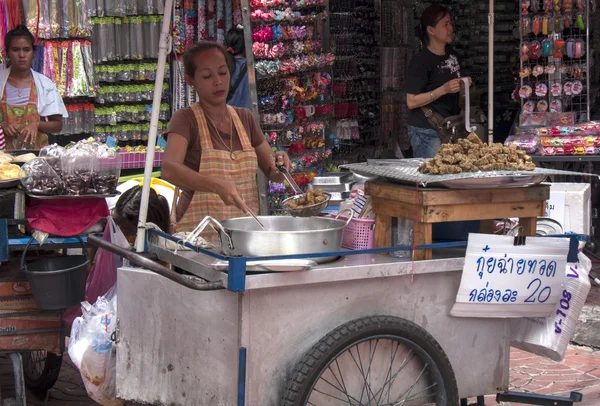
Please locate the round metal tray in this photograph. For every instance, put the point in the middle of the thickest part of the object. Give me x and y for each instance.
(500, 182)
(7, 184)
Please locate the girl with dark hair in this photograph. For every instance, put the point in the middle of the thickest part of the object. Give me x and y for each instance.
(239, 90)
(432, 82)
(214, 150)
(127, 212)
(30, 105)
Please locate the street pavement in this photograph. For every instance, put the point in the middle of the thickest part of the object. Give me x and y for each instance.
(579, 371)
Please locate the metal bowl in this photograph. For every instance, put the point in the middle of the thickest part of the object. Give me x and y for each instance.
(306, 211)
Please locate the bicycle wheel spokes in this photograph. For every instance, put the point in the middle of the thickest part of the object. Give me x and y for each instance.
(375, 372)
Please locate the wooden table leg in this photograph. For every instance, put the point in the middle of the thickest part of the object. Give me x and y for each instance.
(528, 226)
(423, 235)
(383, 231)
(487, 226)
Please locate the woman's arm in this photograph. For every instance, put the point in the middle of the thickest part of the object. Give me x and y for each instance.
(52, 126)
(175, 171)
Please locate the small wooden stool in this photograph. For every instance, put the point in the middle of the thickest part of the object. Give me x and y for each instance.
(430, 206)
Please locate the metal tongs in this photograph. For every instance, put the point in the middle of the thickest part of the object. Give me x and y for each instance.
(250, 212)
(290, 179)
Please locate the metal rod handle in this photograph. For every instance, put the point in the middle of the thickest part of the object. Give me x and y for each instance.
(155, 267)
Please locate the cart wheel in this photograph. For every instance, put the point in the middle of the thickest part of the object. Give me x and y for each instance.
(374, 361)
(41, 370)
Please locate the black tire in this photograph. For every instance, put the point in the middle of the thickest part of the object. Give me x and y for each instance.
(308, 370)
(41, 370)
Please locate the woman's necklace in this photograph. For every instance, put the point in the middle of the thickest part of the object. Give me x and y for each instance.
(19, 89)
(230, 148)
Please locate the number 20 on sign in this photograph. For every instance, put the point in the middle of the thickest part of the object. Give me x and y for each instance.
(502, 279)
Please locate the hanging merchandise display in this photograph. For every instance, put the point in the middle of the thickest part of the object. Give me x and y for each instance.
(196, 20)
(59, 18)
(554, 88)
(128, 35)
(124, 39)
(68, 63)
(354, 33)
(293, 82)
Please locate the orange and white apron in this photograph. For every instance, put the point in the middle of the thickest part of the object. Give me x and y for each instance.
(213, 162)
(21, 115)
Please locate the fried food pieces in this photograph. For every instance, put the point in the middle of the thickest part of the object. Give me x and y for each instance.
(9, 171)
(314, 196)
(473, 155)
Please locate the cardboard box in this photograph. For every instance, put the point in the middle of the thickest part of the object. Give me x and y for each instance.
(570, 204)
(13, 324)
(15, 292)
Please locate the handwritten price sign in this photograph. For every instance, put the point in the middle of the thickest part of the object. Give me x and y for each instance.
(501, 279)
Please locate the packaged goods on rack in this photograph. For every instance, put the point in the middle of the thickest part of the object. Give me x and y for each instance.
(127, 38)
(59, 18)
(126, 132)
(129, 114)
(528, 143)
(554, 61)
(80, 120)
(69, 64)
(128, 72)
(354, 33)
(128, 93)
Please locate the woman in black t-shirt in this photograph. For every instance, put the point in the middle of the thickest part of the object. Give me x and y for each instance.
(432, 81)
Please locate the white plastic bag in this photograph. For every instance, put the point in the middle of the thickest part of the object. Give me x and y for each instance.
(93, 350)
(550, 336)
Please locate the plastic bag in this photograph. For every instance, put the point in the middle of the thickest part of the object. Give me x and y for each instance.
(38, 177)
(93, 351)
(550, 336)
(53, 153)
(108, 170)
(103, 275)
(78, 164)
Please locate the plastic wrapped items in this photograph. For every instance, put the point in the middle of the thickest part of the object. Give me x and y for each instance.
(93, 351)
(550, 336)
(38, 178)
(108, 170)
(527, 143)
(79, 164)
(53, 154)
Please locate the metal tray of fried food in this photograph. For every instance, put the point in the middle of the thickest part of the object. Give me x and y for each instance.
(406, 171)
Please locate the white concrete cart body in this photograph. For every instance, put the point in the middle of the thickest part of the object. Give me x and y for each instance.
(182, 347)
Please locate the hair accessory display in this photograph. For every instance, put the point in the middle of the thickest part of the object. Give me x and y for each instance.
(541, 90)
(556, 89)
(542, 106)
(556, 106)
(538, 70)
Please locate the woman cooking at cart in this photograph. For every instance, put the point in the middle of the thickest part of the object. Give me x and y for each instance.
(432, 81)
(31, 106)
(214, 150)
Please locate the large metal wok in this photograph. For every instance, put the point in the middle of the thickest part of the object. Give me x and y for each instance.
(284, 235)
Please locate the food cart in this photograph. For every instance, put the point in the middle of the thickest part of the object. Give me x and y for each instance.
(360, 328)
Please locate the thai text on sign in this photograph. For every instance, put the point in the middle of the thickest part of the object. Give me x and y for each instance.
(502, 279)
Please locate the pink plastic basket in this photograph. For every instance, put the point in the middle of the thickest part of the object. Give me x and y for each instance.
(359, 234)
(133, 160)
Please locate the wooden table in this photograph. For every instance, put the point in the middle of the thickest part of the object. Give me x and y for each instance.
(426, 206)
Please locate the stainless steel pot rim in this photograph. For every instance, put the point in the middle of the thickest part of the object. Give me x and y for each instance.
(332, 220)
